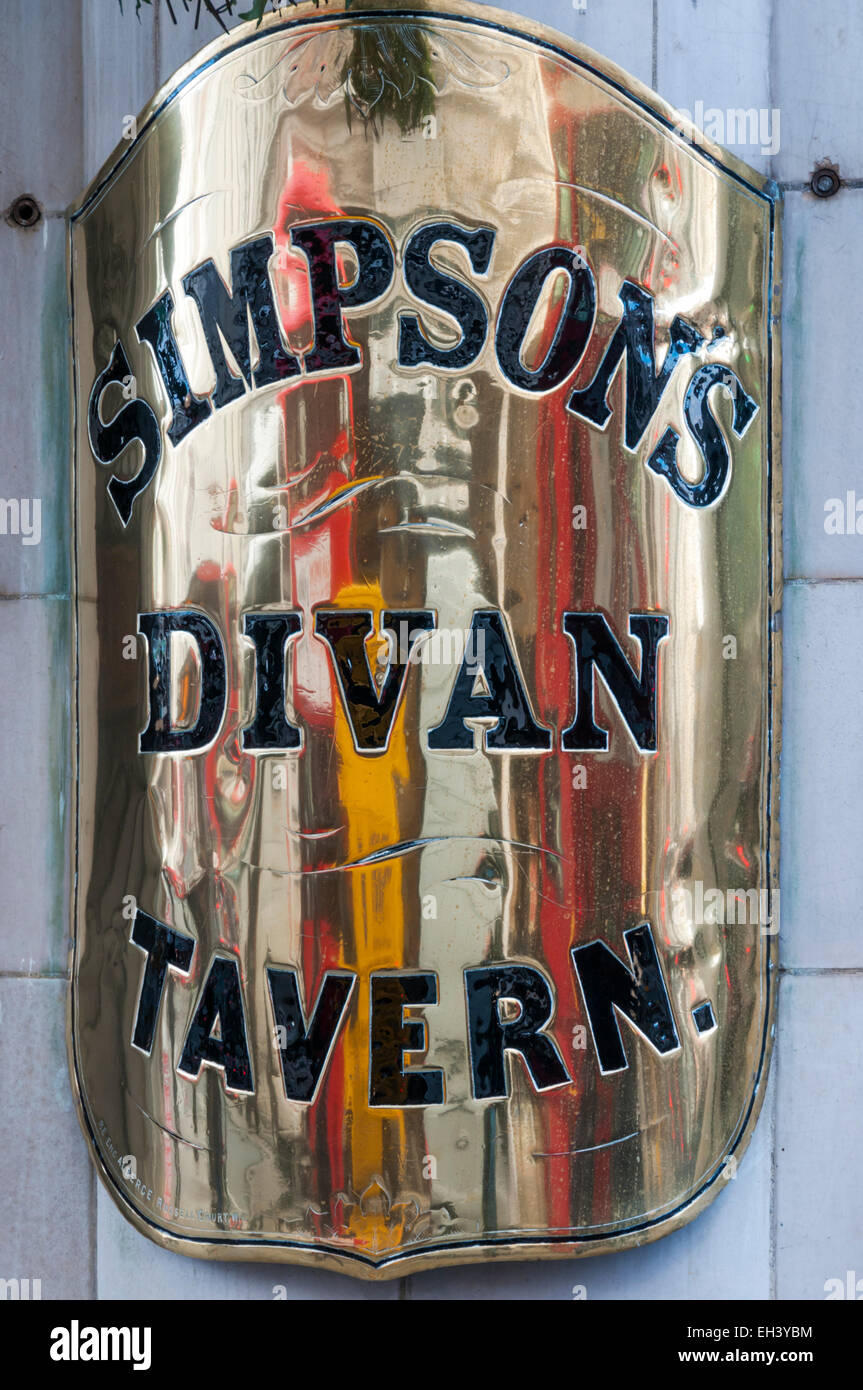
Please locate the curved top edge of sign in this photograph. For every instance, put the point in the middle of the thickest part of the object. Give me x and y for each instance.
(482, 16)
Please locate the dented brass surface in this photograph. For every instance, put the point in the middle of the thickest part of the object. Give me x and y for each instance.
(448, 490)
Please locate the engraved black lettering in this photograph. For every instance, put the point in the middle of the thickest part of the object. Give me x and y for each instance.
(159, 735)
(270, 633)
(704, 429)
(443, 292)
(228, 310)
(489, 661)
(165, 949)
(133, 421)
(393, 1036)
(608, 987)
(305, 1047)
(491, 1036)
(573, 327)
(376, 262)
(188, 410)
(635, 340)
(217, 1033)
(370, 711)
(596, 646)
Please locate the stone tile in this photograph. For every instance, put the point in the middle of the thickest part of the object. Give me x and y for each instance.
(45, 1174)
(724, 1253)
(819, 1197)
(719, 55)
(816, 59)
(41, 102)
(34, 784)
(132, 1267)
(822, 401)
(822, 772)
(120, 45)
(177, 43)
(35, 441)
(623, 33)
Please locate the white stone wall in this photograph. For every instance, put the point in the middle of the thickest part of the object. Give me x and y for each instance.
(70, 70)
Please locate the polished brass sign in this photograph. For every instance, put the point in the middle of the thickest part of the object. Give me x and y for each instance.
(426, 680)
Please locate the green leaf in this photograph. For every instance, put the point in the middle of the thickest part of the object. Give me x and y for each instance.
(256, 12)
